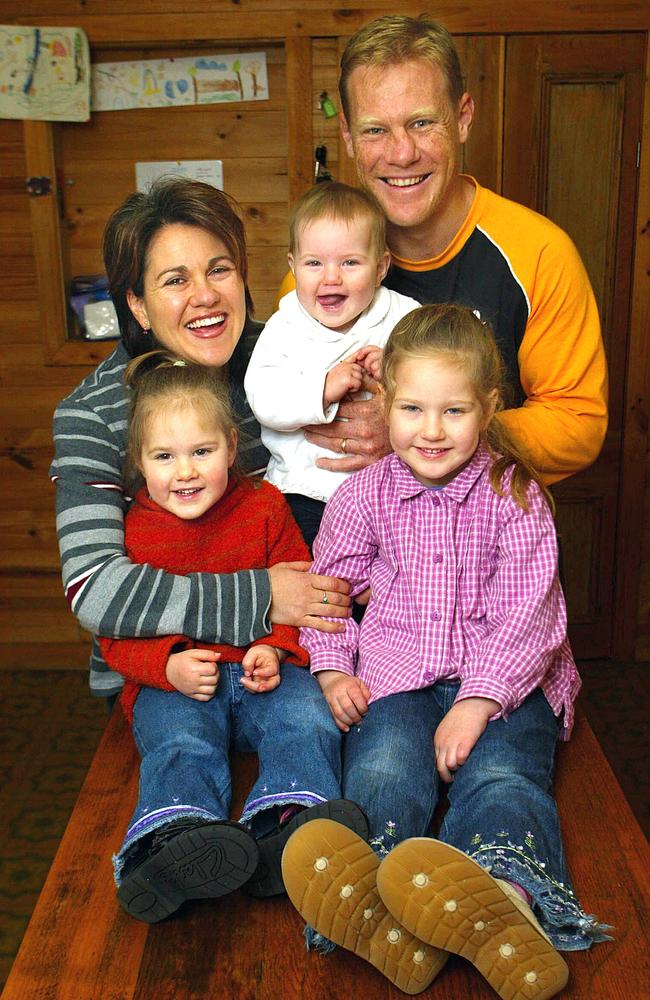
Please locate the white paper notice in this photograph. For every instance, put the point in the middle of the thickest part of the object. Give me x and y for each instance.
(210, 171)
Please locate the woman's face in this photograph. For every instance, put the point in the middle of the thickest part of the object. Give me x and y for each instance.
(194, 297)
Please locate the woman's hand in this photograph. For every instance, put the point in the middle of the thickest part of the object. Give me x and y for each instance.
(358, 432)
(456, 736)
(194, 673)
(297, 598)
(261, 666)
(346, 696)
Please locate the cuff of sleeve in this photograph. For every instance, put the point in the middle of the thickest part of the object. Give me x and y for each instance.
(331, 660)
(262, 625)
(488, 687)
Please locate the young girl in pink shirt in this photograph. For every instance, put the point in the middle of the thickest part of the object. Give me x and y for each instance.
(460, 673)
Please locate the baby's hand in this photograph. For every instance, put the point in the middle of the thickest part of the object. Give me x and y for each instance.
(345, 377)
(346, 696)
(370, 359)
(456, 736)
(194, 672)
(261, 665)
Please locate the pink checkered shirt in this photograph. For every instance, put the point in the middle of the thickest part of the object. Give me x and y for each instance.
(464, 587)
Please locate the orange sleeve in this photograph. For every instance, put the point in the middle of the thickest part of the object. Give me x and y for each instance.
(562, 367)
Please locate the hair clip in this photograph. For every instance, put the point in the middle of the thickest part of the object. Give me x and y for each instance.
(179, 364)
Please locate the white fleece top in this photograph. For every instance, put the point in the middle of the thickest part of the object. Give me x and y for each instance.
(285, 381)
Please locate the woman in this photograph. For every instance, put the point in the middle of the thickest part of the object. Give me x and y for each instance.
(177, 269)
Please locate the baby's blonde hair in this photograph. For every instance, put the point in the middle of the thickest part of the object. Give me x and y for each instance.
(341, 203)
(160, 379)
(456, 334)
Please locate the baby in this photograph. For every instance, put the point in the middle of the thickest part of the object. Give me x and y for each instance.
(325, 340)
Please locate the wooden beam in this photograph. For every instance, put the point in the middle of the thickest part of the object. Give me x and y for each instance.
(635, 428)
(300, 142)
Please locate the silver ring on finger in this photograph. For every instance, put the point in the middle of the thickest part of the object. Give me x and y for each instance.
(325, 598)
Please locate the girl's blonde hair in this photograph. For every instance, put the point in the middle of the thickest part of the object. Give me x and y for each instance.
(160, 379)
(457, 334)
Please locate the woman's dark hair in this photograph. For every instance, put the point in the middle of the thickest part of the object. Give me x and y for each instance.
(133, 225)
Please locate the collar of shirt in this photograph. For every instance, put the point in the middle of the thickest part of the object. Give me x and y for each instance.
(408, 486)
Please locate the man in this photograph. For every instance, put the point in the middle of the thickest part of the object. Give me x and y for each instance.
(404, 118)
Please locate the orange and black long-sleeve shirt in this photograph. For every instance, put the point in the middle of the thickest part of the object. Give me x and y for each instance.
(522, 274)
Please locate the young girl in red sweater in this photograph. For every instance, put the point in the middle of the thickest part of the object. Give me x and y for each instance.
(190, 702)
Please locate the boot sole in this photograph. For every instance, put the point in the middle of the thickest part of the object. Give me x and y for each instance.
(267, 879)
(444, 897)
(204, 862)
(330, 875)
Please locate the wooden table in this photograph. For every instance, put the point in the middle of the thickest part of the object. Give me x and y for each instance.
(81, 946)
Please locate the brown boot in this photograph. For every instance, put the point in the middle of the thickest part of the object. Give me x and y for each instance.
(330, 875)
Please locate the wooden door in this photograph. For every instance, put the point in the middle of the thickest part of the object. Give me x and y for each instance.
(572, 124)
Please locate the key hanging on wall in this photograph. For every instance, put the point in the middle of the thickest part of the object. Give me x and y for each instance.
(321, 173)
(328, 110)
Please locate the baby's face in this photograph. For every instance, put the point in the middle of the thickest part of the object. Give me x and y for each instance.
(337, 270)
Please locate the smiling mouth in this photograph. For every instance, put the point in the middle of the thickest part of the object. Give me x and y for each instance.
(188, 493)
(331, 301)
(209, 321)
(433, 452)
(405, 182)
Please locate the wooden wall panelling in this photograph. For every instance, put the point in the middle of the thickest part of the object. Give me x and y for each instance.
(573, 106)
(633, 584)
(273, 19)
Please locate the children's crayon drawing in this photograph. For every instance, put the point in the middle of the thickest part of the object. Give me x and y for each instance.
(44, 73)
(160, 83)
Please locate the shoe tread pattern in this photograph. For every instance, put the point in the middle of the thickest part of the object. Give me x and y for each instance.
(317, 897)
(479, 900)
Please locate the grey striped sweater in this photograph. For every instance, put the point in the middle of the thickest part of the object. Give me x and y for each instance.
(110, 595)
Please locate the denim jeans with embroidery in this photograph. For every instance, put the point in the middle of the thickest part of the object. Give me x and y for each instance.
(184, 746)
(501, 810)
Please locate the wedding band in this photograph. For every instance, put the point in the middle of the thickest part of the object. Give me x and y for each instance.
(344, 443)
(326, 599)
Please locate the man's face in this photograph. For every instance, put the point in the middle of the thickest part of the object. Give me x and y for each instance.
(405, 136)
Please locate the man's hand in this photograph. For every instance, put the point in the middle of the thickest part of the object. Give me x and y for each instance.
(346, 696)
(456, 736)
(347, 376)
(358, 433)
(261, 666)
(194, 672)
(297, 598)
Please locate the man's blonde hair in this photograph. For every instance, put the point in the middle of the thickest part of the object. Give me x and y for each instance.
(340, 202)
(396, 38)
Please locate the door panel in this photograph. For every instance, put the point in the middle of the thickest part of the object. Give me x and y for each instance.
(572, 122)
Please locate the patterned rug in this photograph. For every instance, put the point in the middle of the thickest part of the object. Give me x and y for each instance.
(50, 727)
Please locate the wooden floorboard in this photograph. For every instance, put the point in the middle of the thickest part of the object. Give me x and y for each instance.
(81, 946)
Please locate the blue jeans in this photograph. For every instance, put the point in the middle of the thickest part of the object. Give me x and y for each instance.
(501, 810)
(184, 746)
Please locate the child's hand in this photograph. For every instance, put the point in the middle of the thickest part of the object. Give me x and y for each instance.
(346, 696)
(194, 672)
(261, 665)
(345, 377)
(370, 359)
(456, 736)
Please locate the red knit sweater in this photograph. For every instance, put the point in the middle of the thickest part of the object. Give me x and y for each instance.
(251, 527)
